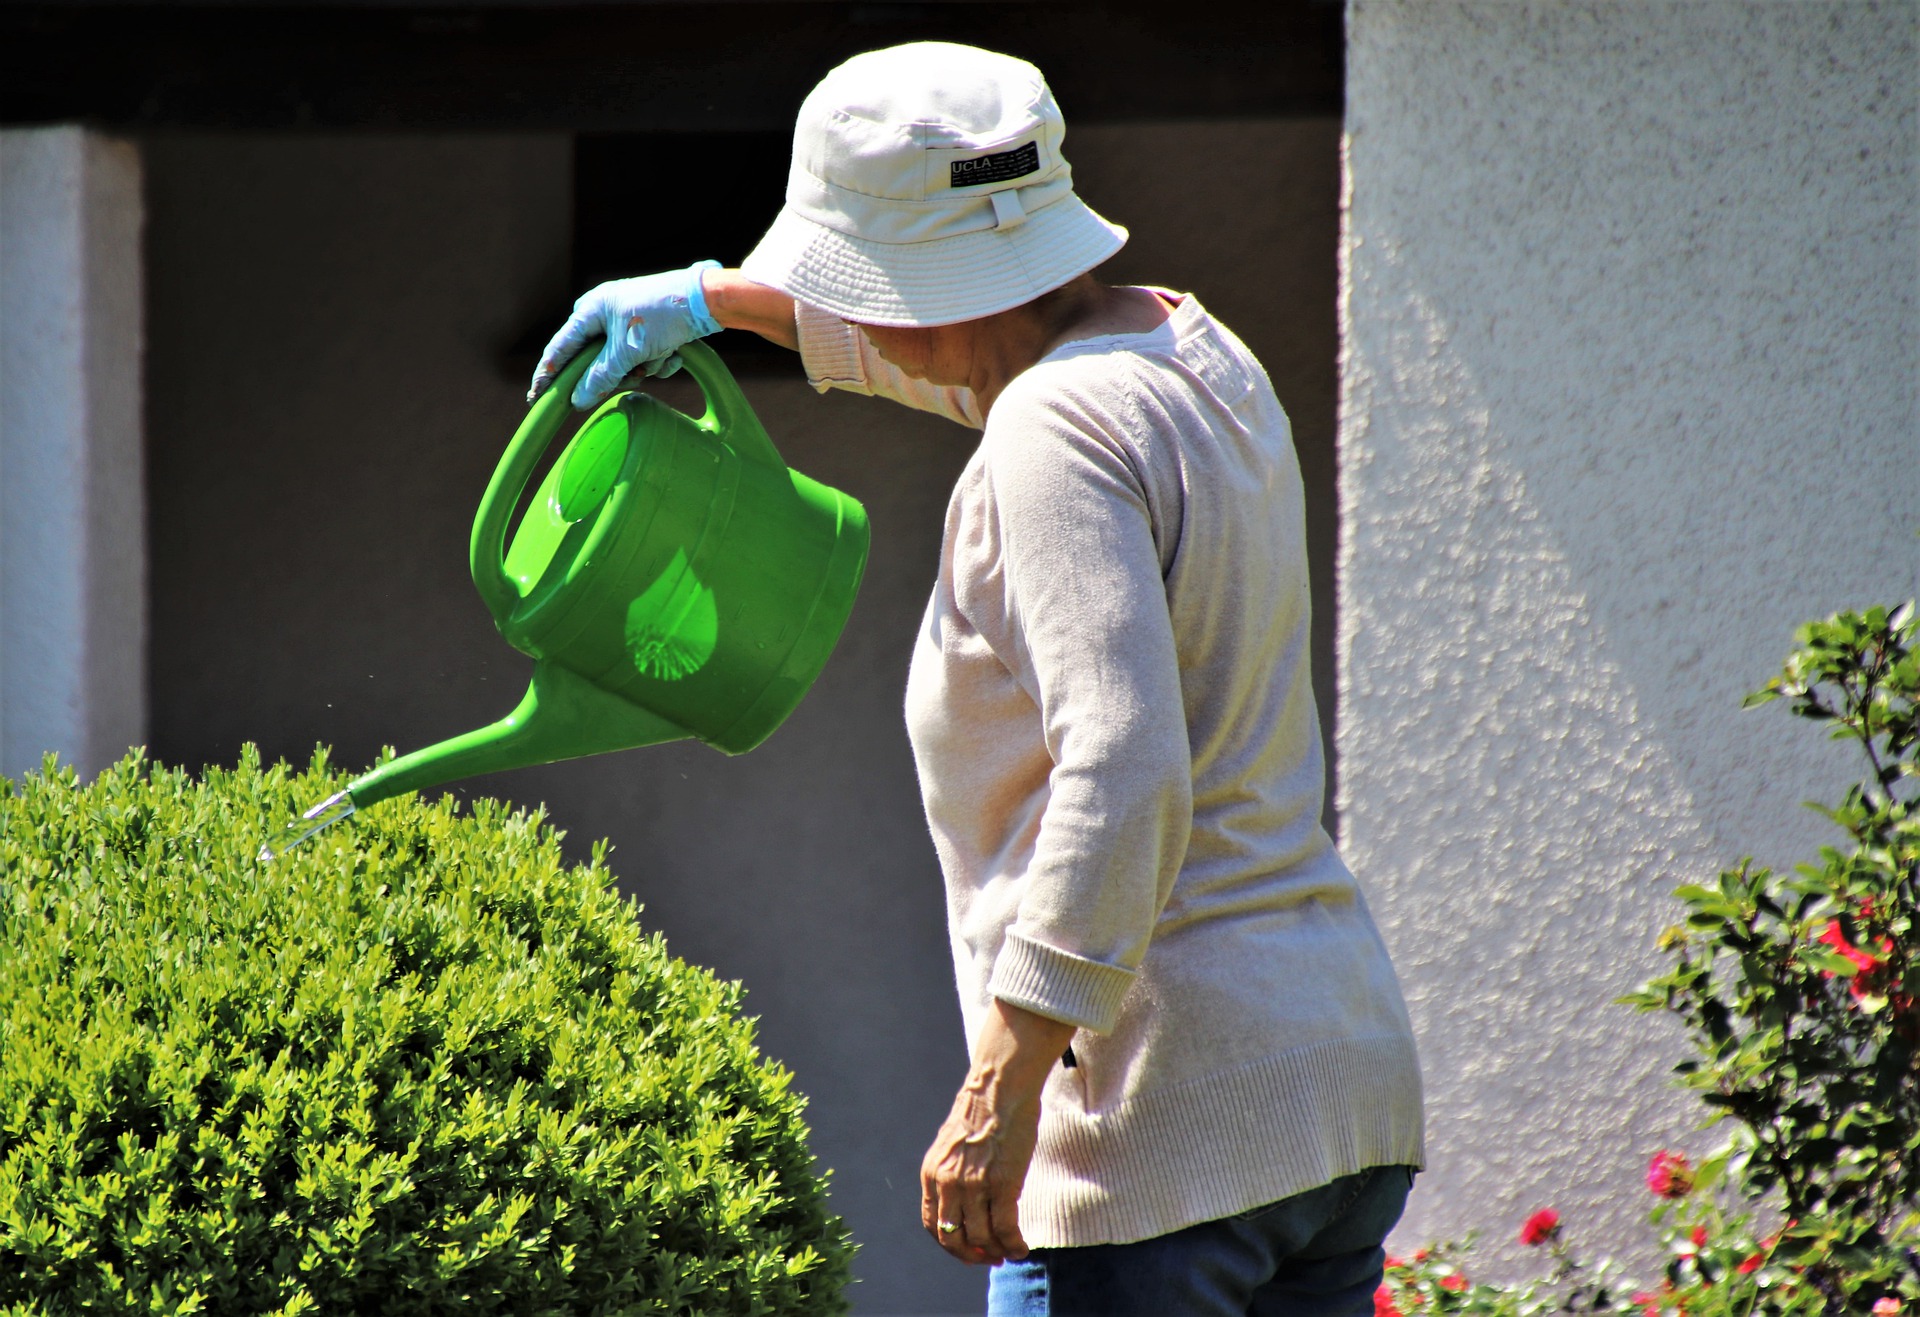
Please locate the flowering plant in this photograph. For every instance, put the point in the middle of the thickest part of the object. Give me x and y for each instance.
(1718, 1265)
(1800, 994)
(1435, 1281)
(1798, 991)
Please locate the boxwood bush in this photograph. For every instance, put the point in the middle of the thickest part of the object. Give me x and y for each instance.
(418, 1065)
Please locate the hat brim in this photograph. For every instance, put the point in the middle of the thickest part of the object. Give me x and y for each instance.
(939, 282)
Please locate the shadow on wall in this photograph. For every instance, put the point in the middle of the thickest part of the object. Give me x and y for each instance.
(1557, 765)
(326, 320)
(1510, 700)
(1617, 319)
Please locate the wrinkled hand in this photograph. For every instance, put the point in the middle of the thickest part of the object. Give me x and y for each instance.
(972, 1176)
(643, 320)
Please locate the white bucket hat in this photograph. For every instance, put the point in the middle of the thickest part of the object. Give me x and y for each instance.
(928, 187)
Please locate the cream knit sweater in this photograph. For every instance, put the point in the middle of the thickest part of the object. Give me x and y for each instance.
(1120, 757)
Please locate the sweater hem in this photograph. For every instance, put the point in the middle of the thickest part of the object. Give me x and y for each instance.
(1225, 1144)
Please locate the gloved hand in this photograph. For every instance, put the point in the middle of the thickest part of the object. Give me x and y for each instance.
(644, 320)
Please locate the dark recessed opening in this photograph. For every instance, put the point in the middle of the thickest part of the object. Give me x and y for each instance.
(661, 201)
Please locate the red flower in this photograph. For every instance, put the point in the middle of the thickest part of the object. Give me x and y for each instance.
(1670, 1175)
(1453, 1281)
(1649, 1305)
(1383, 1305)
(1540, 1227)
(1749, 1265)
(1422, 1254)
(1393, 1262)
(1863, 961)
(1870, 976)
(1699, 1236)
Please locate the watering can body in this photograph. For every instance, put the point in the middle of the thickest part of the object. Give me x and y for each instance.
(671, 578)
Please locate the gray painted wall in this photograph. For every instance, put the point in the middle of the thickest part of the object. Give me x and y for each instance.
(1629, 392)
(72, 543)
(328, 393)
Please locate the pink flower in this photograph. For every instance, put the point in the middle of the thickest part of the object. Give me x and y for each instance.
(1670, 1175)
(1649, 1305)
(1887, 1307)
(1540, 1227)
(1383, 1305)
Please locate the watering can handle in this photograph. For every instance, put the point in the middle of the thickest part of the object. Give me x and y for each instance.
(487, 551)
(729, 417)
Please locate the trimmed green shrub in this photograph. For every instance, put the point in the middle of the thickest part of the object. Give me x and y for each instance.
(418, 1065)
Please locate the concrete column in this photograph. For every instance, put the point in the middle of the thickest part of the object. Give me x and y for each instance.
(72, 520)
(1629, 383)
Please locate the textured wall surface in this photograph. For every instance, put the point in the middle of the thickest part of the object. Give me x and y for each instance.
(329, 391)
(72, 542)
(1628, 392)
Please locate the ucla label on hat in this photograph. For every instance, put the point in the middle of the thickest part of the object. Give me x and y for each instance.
(1001, 167)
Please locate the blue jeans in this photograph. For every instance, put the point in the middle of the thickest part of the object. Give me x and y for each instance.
(1316, 1254)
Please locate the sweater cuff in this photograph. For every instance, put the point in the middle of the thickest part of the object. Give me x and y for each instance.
(829, 350)
(1059, 984)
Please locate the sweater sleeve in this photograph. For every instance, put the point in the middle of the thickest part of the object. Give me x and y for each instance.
(1068, 585)
(838, 356)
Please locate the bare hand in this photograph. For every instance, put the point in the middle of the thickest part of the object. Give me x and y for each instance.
(970, 1179)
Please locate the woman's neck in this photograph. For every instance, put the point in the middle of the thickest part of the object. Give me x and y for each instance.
(1007, 344)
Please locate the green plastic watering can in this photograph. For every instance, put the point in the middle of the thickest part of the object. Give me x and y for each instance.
(671, 578)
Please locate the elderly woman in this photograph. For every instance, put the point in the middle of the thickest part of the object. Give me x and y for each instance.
(1193, 1086)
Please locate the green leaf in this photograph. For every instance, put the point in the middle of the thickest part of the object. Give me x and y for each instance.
(1829, 962)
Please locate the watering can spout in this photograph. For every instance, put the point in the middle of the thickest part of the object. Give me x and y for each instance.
(563, 716)
(678, 560)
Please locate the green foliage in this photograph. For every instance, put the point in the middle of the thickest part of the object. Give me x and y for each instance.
(416, 1066)
(1434, 1283)
(1800, 995)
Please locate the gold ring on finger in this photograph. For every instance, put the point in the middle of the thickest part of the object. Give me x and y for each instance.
(948, 1227)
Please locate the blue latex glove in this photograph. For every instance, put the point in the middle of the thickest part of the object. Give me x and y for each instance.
(644, 321)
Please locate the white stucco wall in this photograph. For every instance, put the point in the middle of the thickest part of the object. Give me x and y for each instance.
(1628, 392)
(72, 535)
